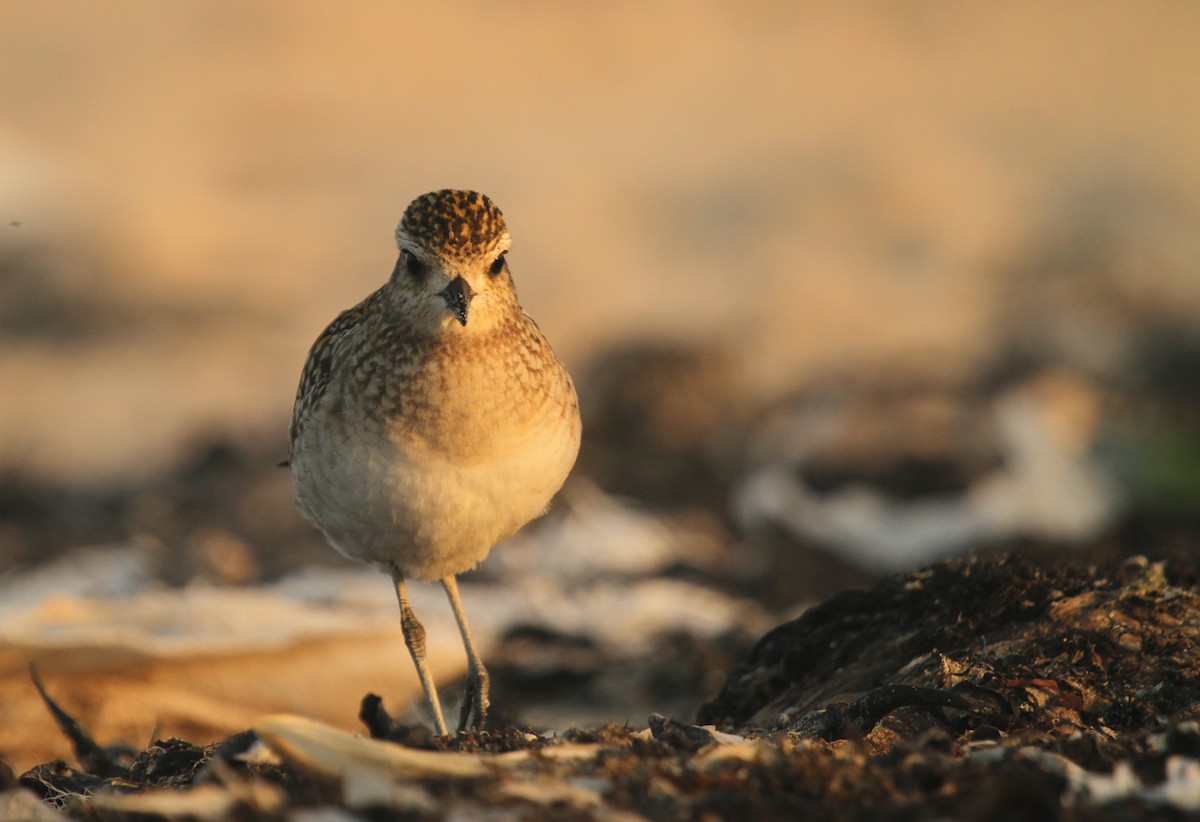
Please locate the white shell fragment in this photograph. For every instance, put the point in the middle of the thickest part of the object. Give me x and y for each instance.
(335, 753)
(200, 803)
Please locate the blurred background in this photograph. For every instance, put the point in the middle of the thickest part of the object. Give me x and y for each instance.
(846, 288)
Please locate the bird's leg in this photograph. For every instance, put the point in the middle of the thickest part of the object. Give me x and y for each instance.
(414, 638)
(477, 675)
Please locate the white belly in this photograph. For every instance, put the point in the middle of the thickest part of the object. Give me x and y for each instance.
(396, 502)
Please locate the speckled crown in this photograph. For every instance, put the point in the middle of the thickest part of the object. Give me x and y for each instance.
(454, 224)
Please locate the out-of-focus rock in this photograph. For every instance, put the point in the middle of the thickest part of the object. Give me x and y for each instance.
(1025, 468)
(659, 419)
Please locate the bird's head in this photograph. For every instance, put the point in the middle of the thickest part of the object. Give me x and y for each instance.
(452, 276)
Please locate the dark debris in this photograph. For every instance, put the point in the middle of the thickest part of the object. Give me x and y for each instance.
(1062, 645)
(973, 690)
(102, 762)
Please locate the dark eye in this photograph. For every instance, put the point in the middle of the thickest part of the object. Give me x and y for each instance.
(497, 266)
(415, 267)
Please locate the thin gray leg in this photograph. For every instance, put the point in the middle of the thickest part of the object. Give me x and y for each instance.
(477, 676)
(414, 638)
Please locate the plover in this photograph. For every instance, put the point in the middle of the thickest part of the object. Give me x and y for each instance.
(432, 419)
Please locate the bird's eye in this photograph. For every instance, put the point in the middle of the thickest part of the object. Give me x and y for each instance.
(497, 266)
(415, 266)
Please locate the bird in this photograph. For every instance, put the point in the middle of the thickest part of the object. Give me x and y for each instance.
(433, 420)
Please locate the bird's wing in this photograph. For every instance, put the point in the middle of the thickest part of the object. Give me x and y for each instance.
(322, 357)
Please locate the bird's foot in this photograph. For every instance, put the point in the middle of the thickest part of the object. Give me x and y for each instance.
(475, 697)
